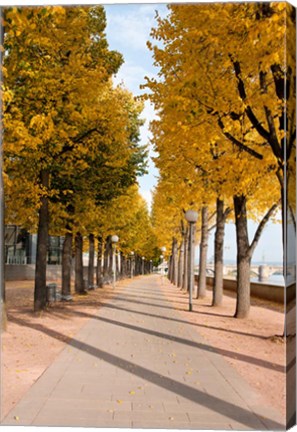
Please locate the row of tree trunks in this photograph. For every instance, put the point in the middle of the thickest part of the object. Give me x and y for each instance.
(244, 254)
(112, 260)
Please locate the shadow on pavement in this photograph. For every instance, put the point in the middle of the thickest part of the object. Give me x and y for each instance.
(238, 356)
(111, 306)
(214, 403)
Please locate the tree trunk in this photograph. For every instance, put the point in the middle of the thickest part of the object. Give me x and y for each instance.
(185, 275)
(219, 255)
(67, 264)
(181, 265)
(122, 265)
(91, 267)
(106, 256)
(175, 261)
(139, 265)
(201, 291)
(42, 244)
(117, 263)
(135, 265)
(99, 281)
(243, 258)
(170, 268)
(190, 264)
(111, 263)
(79, 278)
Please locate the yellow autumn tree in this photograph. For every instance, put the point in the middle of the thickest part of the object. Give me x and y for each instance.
(204, 113)
(58, 109)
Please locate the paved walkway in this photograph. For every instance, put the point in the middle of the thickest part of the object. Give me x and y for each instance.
(134, 365)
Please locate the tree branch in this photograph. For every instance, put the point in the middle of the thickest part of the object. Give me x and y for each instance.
(273, 136)
(212, 215)
(76, 140)
(261, 228)
(211, 228)
(280, 177)
(242, 93)
(227, 212)
(238, 143)
(84, 135)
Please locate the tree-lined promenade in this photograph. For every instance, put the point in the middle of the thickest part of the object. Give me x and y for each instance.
(226, 132)
(224, 138)
(71, 147)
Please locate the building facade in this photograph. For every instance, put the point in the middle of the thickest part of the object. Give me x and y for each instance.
(20, 246)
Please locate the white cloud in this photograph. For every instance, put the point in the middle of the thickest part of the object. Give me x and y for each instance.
(132, 76)
(149, 115)
(132, 26)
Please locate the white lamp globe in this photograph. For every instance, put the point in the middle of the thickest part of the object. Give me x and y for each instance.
(191, 216)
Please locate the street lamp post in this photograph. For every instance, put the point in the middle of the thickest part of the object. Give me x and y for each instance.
(132, 264)
(114, 240)
(143, 265)
(151, 266)
(191, 216)
(163, 250)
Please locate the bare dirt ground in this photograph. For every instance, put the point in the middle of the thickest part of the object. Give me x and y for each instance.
(252, 346)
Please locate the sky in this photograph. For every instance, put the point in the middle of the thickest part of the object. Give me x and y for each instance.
(128, 30)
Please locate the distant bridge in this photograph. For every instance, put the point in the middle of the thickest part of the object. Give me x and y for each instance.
(262, 272)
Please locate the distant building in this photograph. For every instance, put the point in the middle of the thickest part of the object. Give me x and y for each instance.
(163, 268)
(20, 246)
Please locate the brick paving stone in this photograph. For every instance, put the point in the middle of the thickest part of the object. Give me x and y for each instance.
(137, 364)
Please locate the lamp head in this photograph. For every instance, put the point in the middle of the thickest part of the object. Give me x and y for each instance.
(114, 239)
(191, 216)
